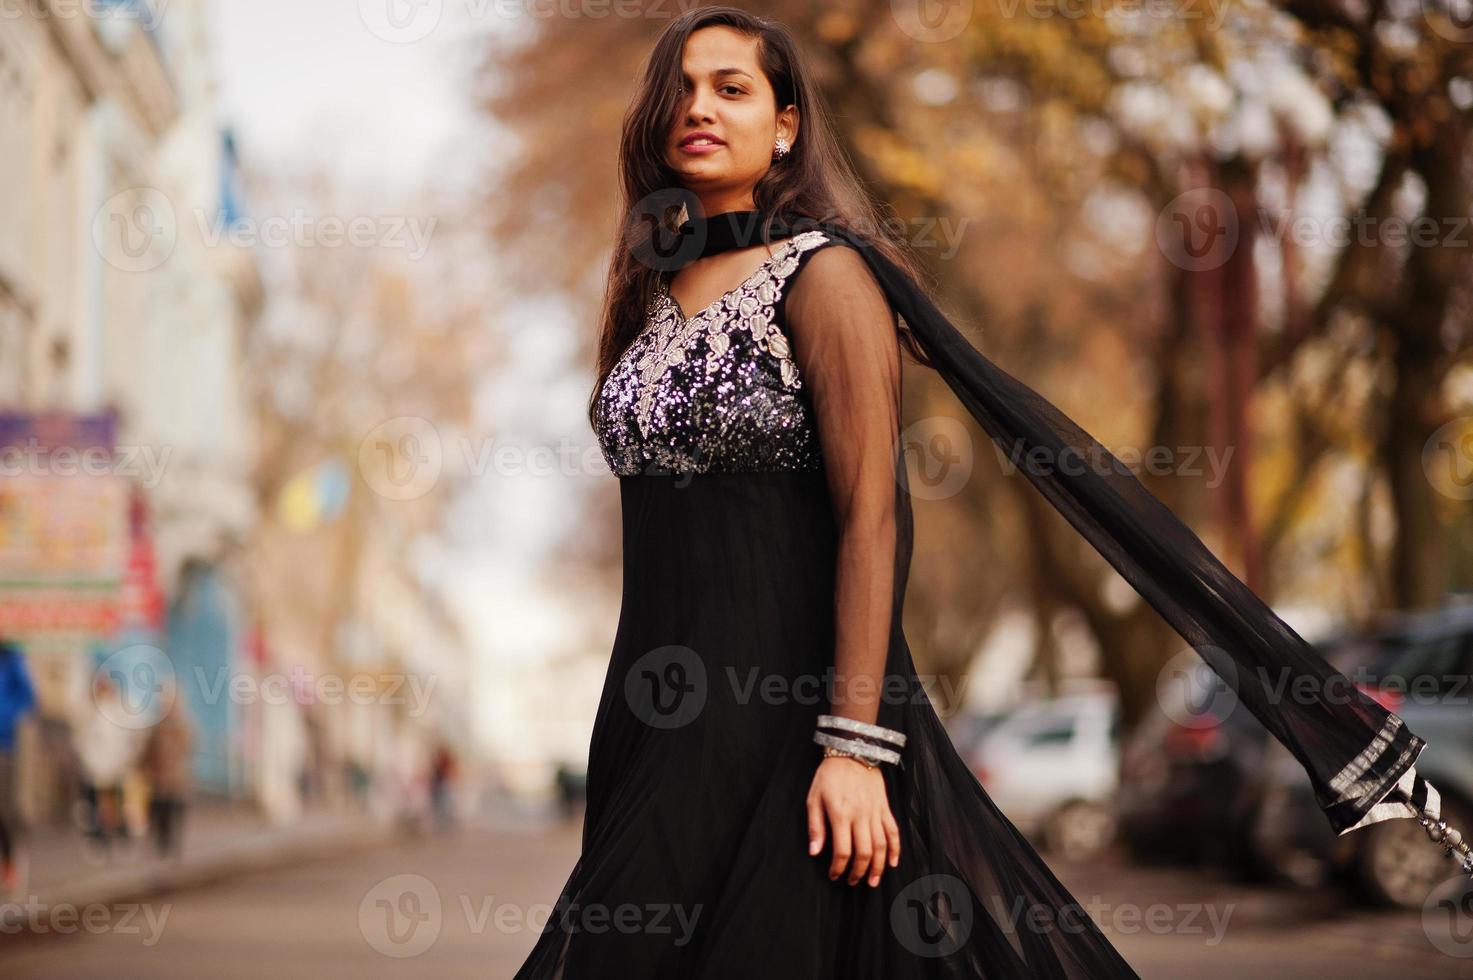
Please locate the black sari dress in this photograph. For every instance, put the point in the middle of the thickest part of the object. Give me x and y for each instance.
(766, 544)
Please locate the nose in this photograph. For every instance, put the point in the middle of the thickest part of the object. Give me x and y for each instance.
(696, 110)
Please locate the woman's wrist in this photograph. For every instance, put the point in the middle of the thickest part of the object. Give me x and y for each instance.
(840, 754)
(866, 742)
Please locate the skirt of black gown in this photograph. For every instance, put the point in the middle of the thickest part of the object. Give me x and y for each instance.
(694, 862)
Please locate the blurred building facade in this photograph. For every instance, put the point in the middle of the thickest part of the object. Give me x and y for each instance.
(127, 311)
(112, 310)
(88, 109)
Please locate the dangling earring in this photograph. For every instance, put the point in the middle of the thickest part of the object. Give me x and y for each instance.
(780, 148)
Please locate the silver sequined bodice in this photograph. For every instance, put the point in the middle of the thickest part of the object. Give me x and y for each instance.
(718, 392)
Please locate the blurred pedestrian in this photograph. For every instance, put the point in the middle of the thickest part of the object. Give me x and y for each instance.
(570, 788)
(17, 698)
(166, 762)
(442, 773)
(107, 747)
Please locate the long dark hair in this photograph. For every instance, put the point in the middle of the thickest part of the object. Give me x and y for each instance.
(814, 182)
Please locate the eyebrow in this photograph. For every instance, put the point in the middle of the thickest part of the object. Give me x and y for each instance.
(724, 71)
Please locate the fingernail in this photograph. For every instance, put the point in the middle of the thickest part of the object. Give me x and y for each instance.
(813, 847)
(874, 880)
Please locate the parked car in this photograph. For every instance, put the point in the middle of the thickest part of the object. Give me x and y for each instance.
(1190, 774)
(1421, 667)
(1052, 766)
(967, 729)
(1222, 790)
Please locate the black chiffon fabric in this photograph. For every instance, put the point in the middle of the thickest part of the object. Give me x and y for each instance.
(755, 599)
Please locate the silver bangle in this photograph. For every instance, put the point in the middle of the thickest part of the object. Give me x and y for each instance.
(852, 746)
(862, 728)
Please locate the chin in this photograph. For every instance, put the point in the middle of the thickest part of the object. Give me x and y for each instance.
(700, 172)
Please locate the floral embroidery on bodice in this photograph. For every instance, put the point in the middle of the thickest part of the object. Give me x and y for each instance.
(715, 392)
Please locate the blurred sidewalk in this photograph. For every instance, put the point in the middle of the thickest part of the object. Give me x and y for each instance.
(219, 840)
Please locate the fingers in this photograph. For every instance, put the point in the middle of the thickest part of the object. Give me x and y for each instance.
(843, 843)
(864, 839)
(864, 849)
(879, 848)
(892, 837)
(815, 825)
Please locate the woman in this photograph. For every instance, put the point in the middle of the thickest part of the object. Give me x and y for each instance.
(770, 791)
(167, 765)
(107, 750)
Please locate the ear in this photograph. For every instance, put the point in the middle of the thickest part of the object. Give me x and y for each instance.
(787, 124)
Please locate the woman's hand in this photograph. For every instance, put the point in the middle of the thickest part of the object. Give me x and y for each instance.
(852, 796)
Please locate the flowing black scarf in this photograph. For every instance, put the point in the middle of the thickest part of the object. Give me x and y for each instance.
(1360, 757)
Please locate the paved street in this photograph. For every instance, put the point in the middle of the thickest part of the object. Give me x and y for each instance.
(330, 917)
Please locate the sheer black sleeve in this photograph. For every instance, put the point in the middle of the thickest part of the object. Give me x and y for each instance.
(846, 345)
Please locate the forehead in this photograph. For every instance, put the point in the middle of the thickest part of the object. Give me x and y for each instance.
(711, 49)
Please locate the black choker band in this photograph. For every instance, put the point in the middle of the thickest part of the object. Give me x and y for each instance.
(713, 234)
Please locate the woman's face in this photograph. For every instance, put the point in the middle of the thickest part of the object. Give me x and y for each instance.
(728, 98)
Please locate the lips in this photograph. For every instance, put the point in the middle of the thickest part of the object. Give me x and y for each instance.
(702, 139)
